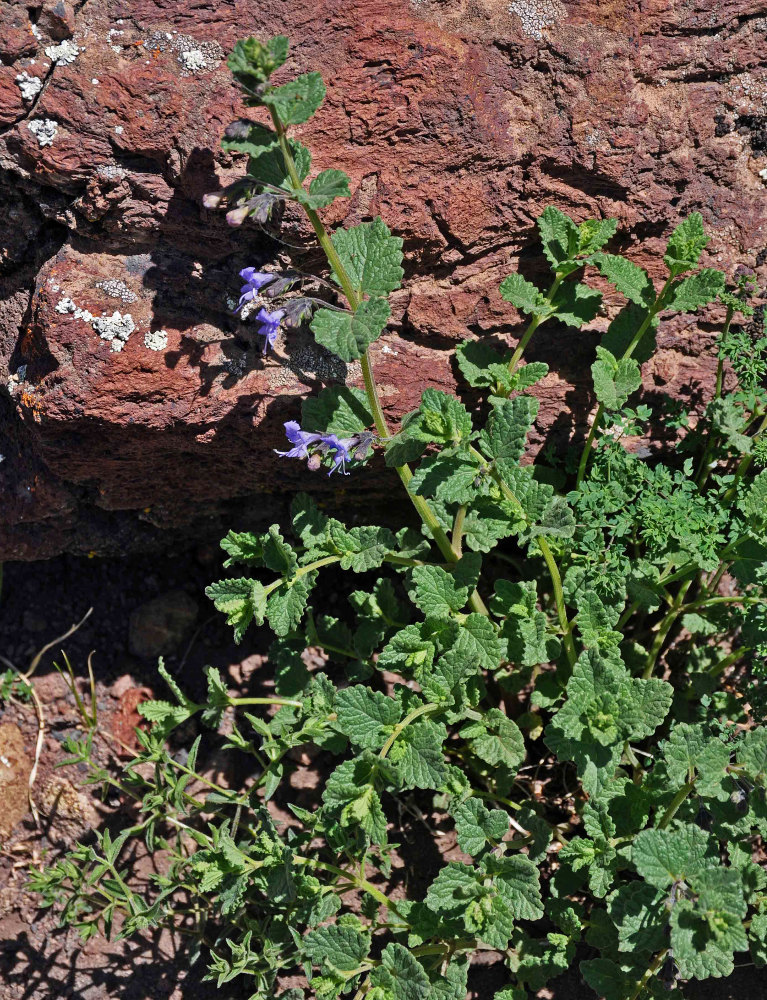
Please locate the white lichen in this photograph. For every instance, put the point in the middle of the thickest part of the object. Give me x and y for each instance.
(36, 31)
(65, 305)
(193, 60)
(156, 340)
(44, 130)
(95, 81)
(64, 53)
(537, 15)
(119, 129)
(763, 174)
(110, 172)
(30, 86)
(192, 55)
(115, 329)
(117, 289)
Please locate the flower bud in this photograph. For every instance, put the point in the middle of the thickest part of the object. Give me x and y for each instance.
(212, 200)
(236, 216)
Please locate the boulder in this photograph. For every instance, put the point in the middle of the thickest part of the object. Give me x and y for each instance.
(458, 121)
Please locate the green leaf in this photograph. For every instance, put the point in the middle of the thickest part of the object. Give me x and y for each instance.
(576, 304)
(350, 795)
(524, 296)
(267, 165)
(752, 754)
(474, 357)
(620, 333)
(629, 279)
(696, 291)
(418, 757)
(366, 717)
(441, 418)
(692, 755)
(278, 554)
(309, 522)
(371, 256)
(706, 931)
(686, 244)
(556, 521)
(504, 437)
(477, 826)
(663, 857)
(251, 138)
(325, 188)
(614, 380)
(407, 650)
(349, 335)
(241, 601)
(594, 233)
(452, 479)
(340, 410)
(337, 947)
(438, 592)
(597, 857)
(252, 62)
(639, 913)
(362, 548)
(286, 605)
(478, 639)
(518, 881)
(496, 740)
(559, 236)
(607, 979)
(295, 102)
(242, 547)
(400, 975)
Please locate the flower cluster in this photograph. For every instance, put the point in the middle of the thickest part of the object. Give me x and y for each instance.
(340, 450)
(269, 323)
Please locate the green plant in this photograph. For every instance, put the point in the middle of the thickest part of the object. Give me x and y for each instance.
(571, 615)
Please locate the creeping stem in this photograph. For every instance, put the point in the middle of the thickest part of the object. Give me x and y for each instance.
(354, 299)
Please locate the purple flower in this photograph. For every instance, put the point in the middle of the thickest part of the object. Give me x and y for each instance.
(269, 326)
(254, 281)
(339, 450)
(299, 439)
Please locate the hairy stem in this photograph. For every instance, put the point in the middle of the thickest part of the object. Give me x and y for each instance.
(643, 327)
(416, 713)
(371, 390)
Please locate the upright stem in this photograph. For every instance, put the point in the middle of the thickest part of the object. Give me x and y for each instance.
(371, 390)
(535, 322)
(643, 327)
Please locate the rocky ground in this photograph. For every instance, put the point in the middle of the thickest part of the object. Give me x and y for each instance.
(457, 120)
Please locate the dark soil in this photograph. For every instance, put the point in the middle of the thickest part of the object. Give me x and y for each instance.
(39, 960)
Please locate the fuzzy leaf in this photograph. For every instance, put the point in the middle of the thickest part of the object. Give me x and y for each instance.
(441, 418)
(295, 102)
(477, 825)
(366, 717)
(686, 244)
(242, 547)
(576, 304)
(337, 947)
(340, 410)
(325, 188)
(504, 437)
(559, 236)
(371, 256)
(639, 913)
(241, 601)
(286, 605)
(614, 380)
(629, 279)
(524, 296)
(400, 976)
(696, 291)
(349, 335)
(663, 857)
(496, 740)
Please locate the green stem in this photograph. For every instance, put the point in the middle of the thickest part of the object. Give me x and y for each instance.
(676, 802)
(643, 327)
(657, 962)
(265, 701)
(416, 713)
(371, 390)
(535, 322)
(559, 599)
(457, 537)
(664, 628)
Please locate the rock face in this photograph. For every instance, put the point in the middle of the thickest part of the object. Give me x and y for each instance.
(457, 120)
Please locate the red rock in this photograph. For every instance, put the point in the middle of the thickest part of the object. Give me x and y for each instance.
(457, 122)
